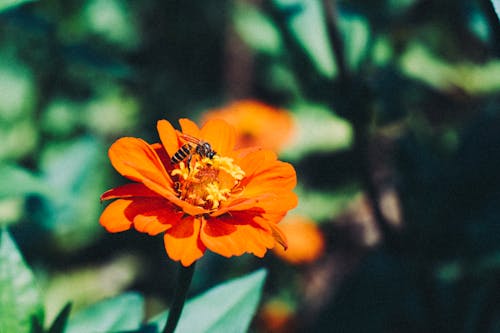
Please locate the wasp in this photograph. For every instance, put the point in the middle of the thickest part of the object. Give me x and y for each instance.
(192, 146)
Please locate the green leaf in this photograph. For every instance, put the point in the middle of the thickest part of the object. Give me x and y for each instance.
(323, 206)
(228, 307)
(74, 173)
(256, 29)
(7, 4)
(308, 26)
(17, 181)
(19, 296)
(59, 324)
(36, 325)
(318, 130)
(356, 36)
(496, 5)
(122, 313)
(420, 64)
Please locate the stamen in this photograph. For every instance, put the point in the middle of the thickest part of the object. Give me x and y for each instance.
(226, 164)
(215, 194)
(207, 181)
(181, 171)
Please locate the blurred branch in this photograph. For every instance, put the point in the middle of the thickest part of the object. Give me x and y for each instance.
(358, 109)
(336, 42)
(359, 104)
(238, 63)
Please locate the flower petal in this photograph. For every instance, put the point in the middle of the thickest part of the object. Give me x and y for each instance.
(187, 207)
(220, 135)
(277, 203)
(235, 205)
(127, 191)
(153, 215)
(235, 234)
(168, 137)
(279, 235)
(253, 161)
(271, 176)
(150, 215)
(189, 127)
(162, 155)
(182, 242)
(114, 219)
(136, 160)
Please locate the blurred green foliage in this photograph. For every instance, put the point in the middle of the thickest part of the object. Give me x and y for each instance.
(405, 100)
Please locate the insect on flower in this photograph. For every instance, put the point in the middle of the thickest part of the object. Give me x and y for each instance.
(229, 202)
(193, 146)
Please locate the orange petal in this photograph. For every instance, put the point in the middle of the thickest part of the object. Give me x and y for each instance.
(136, 160)
(279, 235)
(277, 203)
(187, 207)
(238, 154)
(127, 191)
(236, 234)
(253, 161)
(114, 219)
(235, 205)
(256, 123)
(163, 156)
(270, 184)
(220, 135)
(153, 215)
(189, 127)
(168, 136)
(276, 176)
(182, 242)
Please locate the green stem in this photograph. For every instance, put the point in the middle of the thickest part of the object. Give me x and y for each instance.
(184, 278)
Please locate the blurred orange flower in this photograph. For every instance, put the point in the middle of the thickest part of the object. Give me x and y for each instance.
(257, 124)
(229, 203)
(305, 240)
(276, 316)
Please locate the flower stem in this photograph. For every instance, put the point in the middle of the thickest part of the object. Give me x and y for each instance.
(184, 277)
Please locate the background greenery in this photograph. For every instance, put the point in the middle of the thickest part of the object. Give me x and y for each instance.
(398, 159)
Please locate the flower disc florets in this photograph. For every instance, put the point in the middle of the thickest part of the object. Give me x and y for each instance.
(208, 181)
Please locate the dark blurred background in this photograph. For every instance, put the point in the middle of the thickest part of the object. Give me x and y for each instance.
(397, 149)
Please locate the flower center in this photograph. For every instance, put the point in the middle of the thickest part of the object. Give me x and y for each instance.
(206, 182)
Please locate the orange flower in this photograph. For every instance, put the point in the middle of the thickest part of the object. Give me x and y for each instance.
(277, 316)
(305, 240)
(229, 203)
(256, 124)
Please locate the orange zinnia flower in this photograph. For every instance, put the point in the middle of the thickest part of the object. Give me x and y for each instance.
(257, 124)
(228, 203)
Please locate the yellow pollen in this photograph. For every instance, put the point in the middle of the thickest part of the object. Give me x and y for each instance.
(206, 182)
(181, 171)
(216, 194)
(226, 164)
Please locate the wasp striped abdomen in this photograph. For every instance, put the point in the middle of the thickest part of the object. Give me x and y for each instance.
(191, 147)
(181, 154)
